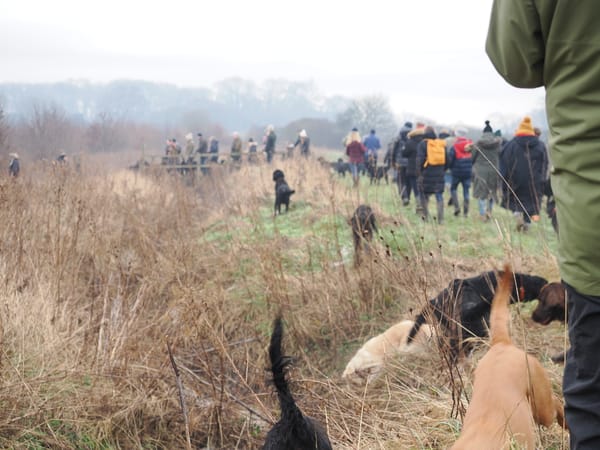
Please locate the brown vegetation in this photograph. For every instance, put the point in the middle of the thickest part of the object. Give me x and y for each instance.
(101, 270)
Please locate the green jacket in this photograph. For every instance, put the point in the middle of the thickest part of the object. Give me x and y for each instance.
(556, 44)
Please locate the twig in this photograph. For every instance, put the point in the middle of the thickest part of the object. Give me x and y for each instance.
(181, 400)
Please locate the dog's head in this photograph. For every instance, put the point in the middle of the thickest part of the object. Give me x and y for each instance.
(278, 175)
(529, 286)
(551, 305)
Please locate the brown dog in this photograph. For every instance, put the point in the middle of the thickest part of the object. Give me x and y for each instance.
(511, 392)
(551, 305)
(370, 359)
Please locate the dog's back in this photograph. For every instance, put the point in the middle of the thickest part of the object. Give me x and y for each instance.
(369, 360)
(511, 391)
(463, 308)
(293, 430)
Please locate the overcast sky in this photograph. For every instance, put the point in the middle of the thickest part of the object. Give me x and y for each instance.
(427, 56)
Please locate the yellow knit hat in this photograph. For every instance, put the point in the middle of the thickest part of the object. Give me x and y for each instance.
(525, 127)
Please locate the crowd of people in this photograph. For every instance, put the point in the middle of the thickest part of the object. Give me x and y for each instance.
(427, 164)
(207, 151)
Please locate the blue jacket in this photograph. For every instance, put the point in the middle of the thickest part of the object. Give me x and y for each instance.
(372, 143)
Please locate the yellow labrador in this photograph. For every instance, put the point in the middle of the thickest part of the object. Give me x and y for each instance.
(370, 359)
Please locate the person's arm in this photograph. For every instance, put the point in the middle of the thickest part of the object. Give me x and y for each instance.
(515, 44)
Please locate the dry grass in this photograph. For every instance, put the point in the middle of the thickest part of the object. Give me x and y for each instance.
(99, 268)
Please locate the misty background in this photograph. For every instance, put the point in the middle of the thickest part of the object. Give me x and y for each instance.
(41, 119)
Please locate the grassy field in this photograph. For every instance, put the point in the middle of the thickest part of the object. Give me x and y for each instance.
(103, 269)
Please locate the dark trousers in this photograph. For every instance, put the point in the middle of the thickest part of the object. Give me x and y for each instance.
(410, 185)
(400, 180)
(581, 383)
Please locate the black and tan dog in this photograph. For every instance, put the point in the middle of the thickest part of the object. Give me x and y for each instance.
(462, 310)
(282, 192)
(364, 227)
(294, 430)
(511, 391)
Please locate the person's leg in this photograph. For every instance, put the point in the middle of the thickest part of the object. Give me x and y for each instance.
(466, 185)
(411, 186)
(454, 194)
(581, 383)
(424, 206)
(354, 172)
(439, 198)
(481, 203)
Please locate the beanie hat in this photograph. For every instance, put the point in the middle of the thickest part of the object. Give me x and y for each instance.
(498, 133)
(487, 128)
(408, 125)
(460, 131)
(525, 127)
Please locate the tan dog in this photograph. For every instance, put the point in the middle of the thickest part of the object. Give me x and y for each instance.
(369, 360)
(511, 392)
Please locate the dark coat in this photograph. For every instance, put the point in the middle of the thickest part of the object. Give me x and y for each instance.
(270, 143)
(430, 178)
(398, 146)
(523, 163)
(459, 158)
(410, 151)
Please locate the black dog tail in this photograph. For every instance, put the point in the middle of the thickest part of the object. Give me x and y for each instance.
(290, 413)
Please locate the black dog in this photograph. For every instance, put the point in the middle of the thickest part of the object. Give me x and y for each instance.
(363, 227)
(294, 430)
(377, 173)
(462, 310)
(341, 167)
(282, 192)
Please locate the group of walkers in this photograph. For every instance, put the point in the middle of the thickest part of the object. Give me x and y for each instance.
(428, 163)
(206, 151)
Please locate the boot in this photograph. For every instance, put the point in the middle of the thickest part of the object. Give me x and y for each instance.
(440, 212)
(454, 198)
(466, 208)
(423, 208)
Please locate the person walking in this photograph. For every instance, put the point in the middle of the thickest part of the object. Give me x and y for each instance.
(236, 148)
(485, 154)
(523, 166)
(431, 166)
(303, 142)
(14, 165)
(414, 138)
(461, 165)
(356, 151)
(270, 141)
(400, 162)
(372, 144)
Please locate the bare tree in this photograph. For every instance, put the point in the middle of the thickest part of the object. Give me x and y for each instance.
(372, 112)
(47, 131)
(105, 133)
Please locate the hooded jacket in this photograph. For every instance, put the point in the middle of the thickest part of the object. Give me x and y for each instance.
(486, 152)
(410, 150)
(555, 44)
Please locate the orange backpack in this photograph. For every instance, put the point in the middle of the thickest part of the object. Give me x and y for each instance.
(436, 152)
